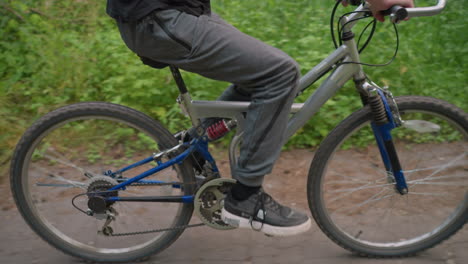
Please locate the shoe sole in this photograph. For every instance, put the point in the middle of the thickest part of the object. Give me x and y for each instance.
(279, 231)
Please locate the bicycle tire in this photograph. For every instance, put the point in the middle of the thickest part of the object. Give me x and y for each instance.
(362, 213)
(41, 155)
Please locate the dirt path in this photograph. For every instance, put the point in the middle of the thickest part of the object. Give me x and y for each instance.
(18, 244)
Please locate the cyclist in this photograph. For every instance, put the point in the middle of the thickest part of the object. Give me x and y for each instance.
(185, 33)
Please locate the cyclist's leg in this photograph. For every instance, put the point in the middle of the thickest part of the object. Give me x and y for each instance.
(210, 47)
(261, 73)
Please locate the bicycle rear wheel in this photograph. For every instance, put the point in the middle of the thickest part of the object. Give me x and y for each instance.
(66, 152)
(353, 200)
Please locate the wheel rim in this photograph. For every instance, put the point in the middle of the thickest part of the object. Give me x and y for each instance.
(367, 210)
(50, 151)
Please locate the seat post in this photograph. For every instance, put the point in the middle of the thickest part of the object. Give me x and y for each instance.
(178, 79)
(184, 100)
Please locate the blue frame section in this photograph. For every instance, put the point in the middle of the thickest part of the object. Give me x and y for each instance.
(175, 185)
(199, 145)
(147, 160)
(177, 160)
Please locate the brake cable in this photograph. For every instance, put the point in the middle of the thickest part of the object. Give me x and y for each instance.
(369, 38)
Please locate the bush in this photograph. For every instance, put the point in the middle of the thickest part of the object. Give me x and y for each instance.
(55, 52)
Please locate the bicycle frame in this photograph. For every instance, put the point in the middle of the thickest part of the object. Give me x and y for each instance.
(301, 113)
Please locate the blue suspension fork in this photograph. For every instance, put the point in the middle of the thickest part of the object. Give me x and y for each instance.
(383, 137)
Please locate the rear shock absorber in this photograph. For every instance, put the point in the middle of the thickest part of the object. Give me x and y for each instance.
(219, 129)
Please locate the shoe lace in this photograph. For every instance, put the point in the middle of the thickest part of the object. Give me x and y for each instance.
(263, 200)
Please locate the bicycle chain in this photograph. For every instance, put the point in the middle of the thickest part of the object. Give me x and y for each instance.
(160, 183)
(153, 230)
(156, 230)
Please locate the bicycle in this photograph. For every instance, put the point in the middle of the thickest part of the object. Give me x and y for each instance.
(396, 206)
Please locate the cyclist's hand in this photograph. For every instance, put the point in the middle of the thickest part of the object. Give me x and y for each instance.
(380, 5)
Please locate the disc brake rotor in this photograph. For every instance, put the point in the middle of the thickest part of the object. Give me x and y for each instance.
(209, 202)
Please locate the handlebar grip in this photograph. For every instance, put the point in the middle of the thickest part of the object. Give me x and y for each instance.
(396, 13)
(355, 2)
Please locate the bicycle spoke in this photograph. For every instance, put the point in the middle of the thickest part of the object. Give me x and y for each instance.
(441, 177)
(351, 181)
(363, 188)
(423, 169)
(429, 194)
(372, 199)
(443, 167)
(71, 183)
(443, 183)
(388, 212)
(344, 195)
(69, 164)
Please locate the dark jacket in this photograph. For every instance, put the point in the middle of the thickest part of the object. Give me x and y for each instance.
(133, 10)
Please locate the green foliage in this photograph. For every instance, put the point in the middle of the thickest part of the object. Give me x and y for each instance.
(56, 52)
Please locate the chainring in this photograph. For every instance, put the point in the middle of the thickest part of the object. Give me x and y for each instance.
(208, 202)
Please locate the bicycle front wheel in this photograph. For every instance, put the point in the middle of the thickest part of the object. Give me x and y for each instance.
(354, 201)
(66, 154)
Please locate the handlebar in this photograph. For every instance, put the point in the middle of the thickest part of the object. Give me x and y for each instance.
(398, 13)
(426, 11)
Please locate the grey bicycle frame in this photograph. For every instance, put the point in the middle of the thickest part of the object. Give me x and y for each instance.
(302, 112)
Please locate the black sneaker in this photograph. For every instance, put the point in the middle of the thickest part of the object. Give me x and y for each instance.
(261, 213)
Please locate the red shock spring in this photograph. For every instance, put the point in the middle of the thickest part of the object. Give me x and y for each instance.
(217, 130)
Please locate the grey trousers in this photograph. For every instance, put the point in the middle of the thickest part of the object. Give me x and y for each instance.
(209, 46)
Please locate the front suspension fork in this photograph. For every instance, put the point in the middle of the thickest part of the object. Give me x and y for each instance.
(382, 124)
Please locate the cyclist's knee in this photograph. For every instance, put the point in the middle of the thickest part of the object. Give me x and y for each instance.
(295, 71)
(289, 75)
(279, 77)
